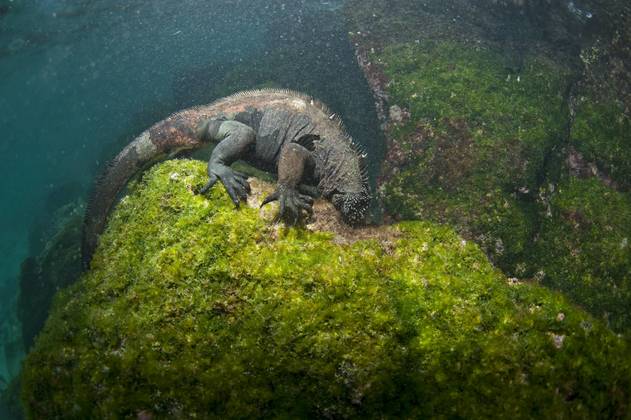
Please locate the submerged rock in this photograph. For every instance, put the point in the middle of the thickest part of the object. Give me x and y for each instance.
(601, 132)
(582, 249)
(56, 265)
(192, 309)
(507, 130)
(475, 144)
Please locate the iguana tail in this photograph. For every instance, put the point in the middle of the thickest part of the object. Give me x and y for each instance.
(166, 138)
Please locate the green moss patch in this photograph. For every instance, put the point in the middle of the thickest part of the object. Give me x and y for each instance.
(10, 404)
(602, 132)
(474, 147)
(57, 266)
(584, 248)
(192, 309)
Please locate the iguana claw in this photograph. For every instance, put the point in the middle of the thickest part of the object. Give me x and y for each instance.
(292, 204)
(236, 183)
(272, 197)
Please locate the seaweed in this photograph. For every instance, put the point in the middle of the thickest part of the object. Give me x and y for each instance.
(584, 248)
(194, 309)
(474, 148)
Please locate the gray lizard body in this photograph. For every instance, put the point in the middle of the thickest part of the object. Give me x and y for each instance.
(279, 131)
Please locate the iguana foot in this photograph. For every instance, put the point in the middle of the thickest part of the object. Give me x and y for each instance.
(309, 190)
(236, 183)
(293, 205)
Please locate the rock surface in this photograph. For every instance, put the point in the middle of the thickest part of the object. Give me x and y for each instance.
(192, 309)
(514, 132)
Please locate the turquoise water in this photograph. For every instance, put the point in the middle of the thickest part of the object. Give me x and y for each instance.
(79, 79)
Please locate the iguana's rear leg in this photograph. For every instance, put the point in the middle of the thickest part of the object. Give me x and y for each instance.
(294, 164)
(235, 140)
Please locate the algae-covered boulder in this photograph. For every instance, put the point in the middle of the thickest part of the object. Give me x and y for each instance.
(601, 131)
(56, 265)
(584, 249)
(473, 151)
(192, 309)
(519, 146)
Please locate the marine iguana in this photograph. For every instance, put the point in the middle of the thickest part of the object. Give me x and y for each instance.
(273, 130)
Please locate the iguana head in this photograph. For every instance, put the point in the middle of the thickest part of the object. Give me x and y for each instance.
(353, 206)
(343, 177)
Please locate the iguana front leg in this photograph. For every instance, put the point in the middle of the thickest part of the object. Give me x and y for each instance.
(235, 139)
(294, 163)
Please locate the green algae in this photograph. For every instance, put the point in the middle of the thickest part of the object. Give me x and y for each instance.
(602, 132)
(192, 309)
(55, 267)
(479, 150)
(10, 404)
(476, 141)
(584, 248)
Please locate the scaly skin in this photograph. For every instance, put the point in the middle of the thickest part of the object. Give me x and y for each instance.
(263, 128)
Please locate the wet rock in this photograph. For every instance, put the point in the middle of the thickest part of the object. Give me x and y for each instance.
(56, 264)
(453, 159)
(192, 308)
(435, 167)
(579, 247)
(579, 167)
(398, 115)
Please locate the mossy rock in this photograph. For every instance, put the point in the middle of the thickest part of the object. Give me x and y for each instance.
(473, 151)
(57, 266)
(601, 131)
(584, 248)
(10, 404)
(192, 309)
